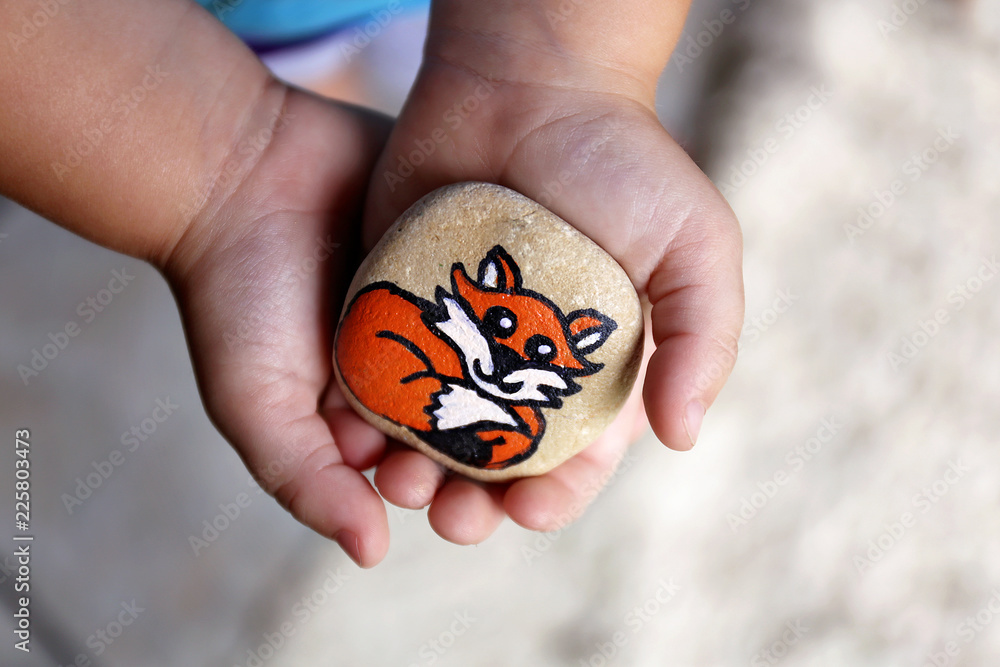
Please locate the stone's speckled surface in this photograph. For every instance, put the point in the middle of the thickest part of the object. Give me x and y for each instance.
(489, 334)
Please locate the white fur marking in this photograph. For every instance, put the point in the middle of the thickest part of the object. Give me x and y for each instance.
(464, 333)
(532, 378)
(462, 407)
(491, 277)
(589, 340)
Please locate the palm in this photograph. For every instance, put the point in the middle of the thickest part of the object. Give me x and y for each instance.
(258, 303)
(605, 164)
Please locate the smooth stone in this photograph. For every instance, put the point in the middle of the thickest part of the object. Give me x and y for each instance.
(486, 332)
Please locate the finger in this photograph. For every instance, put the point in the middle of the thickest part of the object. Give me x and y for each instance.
(361, 445)
(559, 497)
(337, 501)
(466, 512)
(408, 479)
(697, 315)
(294, 455)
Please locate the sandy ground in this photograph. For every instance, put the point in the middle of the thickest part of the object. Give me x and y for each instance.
(841, 507)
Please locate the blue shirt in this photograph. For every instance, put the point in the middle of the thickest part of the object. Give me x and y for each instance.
(272, 23)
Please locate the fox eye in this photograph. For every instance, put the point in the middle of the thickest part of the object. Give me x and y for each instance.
(500, 321)
(540, 348)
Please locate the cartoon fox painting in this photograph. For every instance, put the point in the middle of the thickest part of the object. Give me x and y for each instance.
(469, 373)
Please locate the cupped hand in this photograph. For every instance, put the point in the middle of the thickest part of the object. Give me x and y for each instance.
(260, 277)
(598, 157)
(262, 272)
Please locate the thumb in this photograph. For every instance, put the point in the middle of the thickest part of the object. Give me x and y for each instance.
(696, 293)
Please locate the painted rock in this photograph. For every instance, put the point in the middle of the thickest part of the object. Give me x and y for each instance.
(488, 333)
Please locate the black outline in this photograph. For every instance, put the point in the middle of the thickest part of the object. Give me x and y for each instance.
(463, 444)
(606, 328)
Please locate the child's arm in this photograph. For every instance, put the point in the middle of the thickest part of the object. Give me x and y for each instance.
(116, 118)
(148, 128)
(555, 99)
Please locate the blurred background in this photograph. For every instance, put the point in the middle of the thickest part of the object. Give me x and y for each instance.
(842, 506)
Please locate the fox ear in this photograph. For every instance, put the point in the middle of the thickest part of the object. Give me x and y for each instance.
(588, 330)
(498, 271)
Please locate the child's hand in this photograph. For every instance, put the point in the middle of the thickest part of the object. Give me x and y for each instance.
(260, 278)
(581, 137)
(256, 229)
(172, 143)
(260, 296)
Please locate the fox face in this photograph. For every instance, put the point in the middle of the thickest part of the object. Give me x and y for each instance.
(515, 344)
(469, 372)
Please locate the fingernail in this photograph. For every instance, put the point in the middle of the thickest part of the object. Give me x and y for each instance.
(693, 415)
(348, 541)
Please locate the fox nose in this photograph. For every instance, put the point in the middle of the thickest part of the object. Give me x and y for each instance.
(505, 360)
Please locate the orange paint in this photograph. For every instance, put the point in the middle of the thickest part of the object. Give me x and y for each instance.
(470, 372)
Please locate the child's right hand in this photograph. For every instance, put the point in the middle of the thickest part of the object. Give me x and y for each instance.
(580, 134)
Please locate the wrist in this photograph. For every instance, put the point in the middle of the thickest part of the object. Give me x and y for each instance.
(618, 48)
(217, 201)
